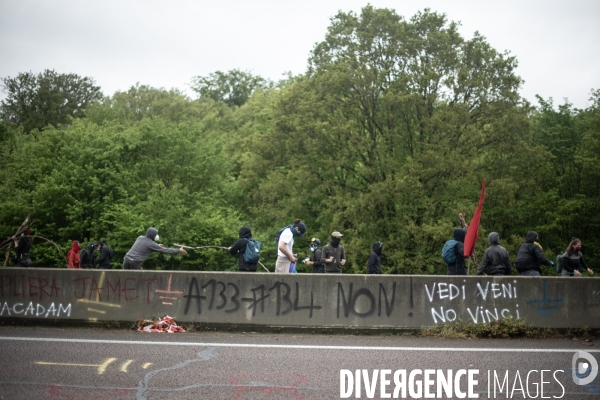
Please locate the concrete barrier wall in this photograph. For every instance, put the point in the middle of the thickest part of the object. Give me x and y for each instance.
(296, 300)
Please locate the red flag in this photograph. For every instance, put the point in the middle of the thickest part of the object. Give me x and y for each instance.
(473, 230)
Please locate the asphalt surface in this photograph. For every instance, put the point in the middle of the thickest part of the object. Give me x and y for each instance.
(87, 363)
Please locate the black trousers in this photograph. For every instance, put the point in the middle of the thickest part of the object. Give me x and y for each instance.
(130, 264)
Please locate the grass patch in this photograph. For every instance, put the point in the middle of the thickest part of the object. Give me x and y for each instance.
(503, 329)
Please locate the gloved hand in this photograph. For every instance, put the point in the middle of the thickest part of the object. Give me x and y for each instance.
(552, 263)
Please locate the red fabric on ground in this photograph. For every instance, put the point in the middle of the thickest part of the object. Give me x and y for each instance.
(165, 324)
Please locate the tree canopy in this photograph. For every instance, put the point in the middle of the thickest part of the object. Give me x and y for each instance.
(232, 87)
(49, 98)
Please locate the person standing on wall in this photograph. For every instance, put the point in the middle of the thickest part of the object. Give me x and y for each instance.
(458, 266)
(374, 262)
(73, 259)
(495, 259)
(334, 255)
(572, 260)
(143, 247)
(530, 256)
(103, 260)
(317, 257)
(239, 248)
(21, 256)
(285, 246)
(87, 258)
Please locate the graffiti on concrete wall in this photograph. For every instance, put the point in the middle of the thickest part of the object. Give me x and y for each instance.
(33, 309)
(477, 302)
(102, 295)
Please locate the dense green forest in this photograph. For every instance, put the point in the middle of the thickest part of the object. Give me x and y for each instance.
(386, 136)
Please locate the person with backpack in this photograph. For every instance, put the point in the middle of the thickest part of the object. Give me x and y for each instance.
(316, 260)
(21, 257)
(495, 259)
(285, 246)
(73, 258)
(334, 254)
(143, 247)
(453, 253)
(530, 256)
(87, 258)
(246, 263)
(374, 262)
(571, 262)
(106, 254)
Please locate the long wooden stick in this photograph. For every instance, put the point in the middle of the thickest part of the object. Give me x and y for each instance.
(212, 247)
(23, 224)
(200, 247)
(55, 245)
(43, 238)
(21, 229)
(8, 242)
(261, 264)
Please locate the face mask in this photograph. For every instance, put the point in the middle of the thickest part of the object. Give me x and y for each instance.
(578, 248)
(156, 238)
(313, 247)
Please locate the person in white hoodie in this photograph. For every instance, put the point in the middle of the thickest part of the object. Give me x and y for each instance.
(143, 247)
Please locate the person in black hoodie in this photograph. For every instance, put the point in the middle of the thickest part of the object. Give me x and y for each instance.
(495, 259)
(103, 260)
(530, 256)
(21, 256)
(458, 267)
(87, 258)
(374, 262)
(239, 248)
(316, 262)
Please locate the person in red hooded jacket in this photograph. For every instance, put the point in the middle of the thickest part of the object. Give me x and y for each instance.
(73, 255)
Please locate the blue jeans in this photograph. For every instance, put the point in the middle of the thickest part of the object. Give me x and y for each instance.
(530, 272)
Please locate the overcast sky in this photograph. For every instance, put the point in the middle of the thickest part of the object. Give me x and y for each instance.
(166, 43)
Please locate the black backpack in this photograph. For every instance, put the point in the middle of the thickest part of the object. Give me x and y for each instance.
(84, 256)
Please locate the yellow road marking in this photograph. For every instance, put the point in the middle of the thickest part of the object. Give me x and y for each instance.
(101, 367)
(146, 365)
(68, 364)
(125, 365)
(105, 364)
(101, 280)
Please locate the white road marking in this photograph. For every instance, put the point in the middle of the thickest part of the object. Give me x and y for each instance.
(298, 347)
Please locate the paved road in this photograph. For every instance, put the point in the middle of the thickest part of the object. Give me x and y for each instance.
(85, 363)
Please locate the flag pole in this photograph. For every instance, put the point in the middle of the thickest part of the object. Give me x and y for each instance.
(465, 226)
(473, 233)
